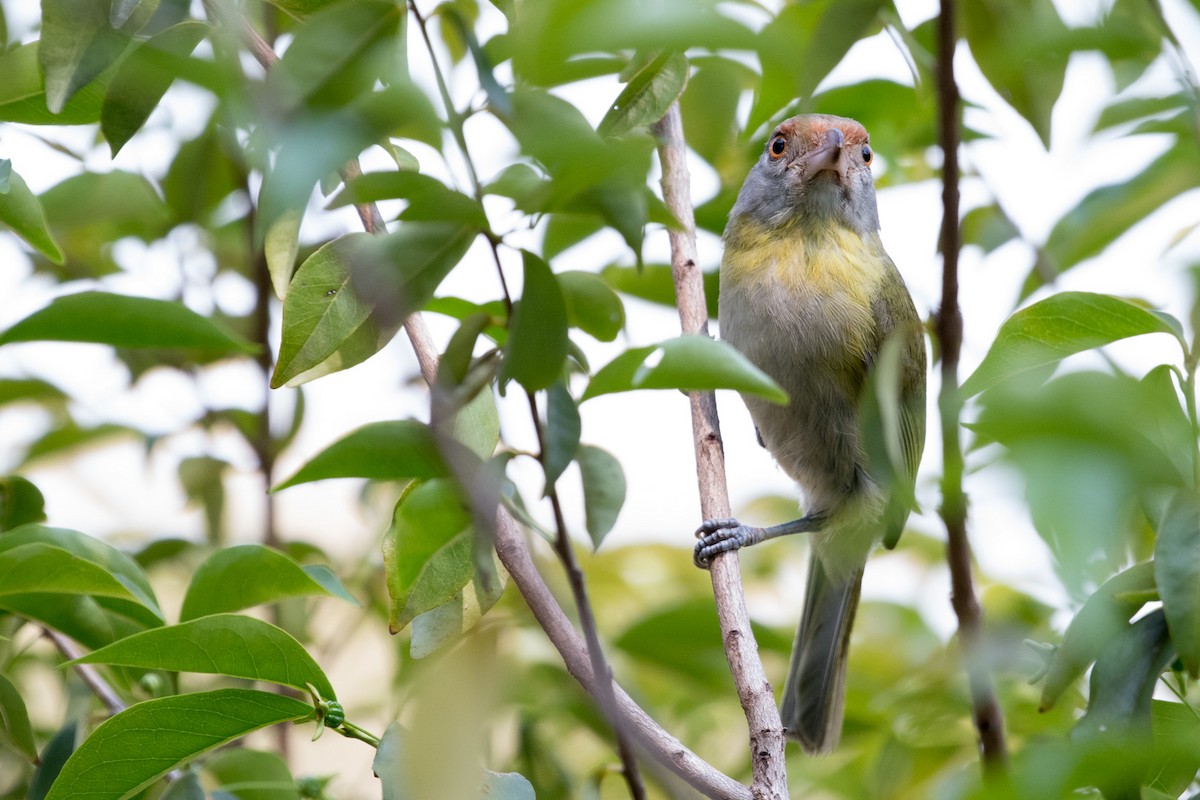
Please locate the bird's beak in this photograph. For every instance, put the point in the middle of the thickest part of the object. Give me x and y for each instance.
(828, 156)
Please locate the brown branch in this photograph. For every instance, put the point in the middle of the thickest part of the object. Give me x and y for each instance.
(604, 694)
(989, 721)
(87, 672)
(754, 690)
(514, 552)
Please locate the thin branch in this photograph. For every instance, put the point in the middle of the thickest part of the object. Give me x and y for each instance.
(93, 679)
(605, 697)
(989, 721)
(514, 555)
(754, 690)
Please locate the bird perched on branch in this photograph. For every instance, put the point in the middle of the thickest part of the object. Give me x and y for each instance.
(809, 295)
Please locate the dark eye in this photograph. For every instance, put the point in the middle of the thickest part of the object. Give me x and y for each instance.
(866, 154)
(778, 145)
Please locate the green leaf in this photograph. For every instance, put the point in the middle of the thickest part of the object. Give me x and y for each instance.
(202, 175)
(337, 55)
(16, 731)
(679, 637)
(802, 45)
(567, 230)
(280, 245)
(21, 503)
(186, 787)
(54, 757)
(136, 747)
(562, 432)
(603, 490)
(427, 551)
(429, 199)
(653, 282)
(647, 96)
(388, 764)
(1020, 47)
(91, 210)
(252, 775)
(537, 342)
(439, 626)
(38, 568)
(245, 575)
(547, 37)
(143, 78)
(21, 212)
(328, 579)
(477, 425)
(121, 567)
(23, 95)
(315, 145)
(1105, 614)
(1177, 572)
(1061, 325)
(1109, 211)
(398, 272)
(507, 786)
(592, 306)
(688, 363)
(988, 227)
(123, 321)
(220, 644)
(383, 451)
(78, 43)
(1123, 680)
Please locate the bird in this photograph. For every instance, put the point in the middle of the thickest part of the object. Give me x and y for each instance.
(809, 295)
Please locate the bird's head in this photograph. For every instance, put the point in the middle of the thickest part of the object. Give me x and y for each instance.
(814, 170)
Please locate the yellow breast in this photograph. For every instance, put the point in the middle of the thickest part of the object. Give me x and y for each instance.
(826, 260)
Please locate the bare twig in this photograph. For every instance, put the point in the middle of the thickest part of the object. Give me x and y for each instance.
(514, 553)
(754, 690)
(989, 721)
(604, 692)
(105, 693)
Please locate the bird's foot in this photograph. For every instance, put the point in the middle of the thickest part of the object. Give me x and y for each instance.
(720, 535)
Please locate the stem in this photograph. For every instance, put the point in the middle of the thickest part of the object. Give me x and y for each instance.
(453, 118)
(352, 731)
(989, 721)
(605, 697)
(753, 689)
(93, 679)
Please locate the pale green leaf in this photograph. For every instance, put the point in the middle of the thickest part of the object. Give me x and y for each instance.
(220, 644)
(394, 450)
(647, 96)
(243, 576)
(21, 212)
(687, 363)
(603, 490)
(136, 747)
(1059, 326)
(124, 321)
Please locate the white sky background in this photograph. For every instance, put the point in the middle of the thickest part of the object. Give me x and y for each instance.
(111, 491)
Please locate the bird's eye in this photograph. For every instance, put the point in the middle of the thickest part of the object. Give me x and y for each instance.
(778, 145)
(866, 153)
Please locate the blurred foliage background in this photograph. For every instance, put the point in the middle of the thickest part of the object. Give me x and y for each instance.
(187, 241)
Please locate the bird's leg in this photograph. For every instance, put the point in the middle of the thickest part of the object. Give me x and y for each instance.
(718, 535)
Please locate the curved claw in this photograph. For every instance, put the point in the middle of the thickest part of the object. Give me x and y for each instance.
(720, 535)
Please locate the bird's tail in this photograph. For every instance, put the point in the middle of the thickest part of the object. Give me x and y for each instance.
(815, 691)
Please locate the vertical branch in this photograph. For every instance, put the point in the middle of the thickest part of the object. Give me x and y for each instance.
(741, 650)
(989, 721)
